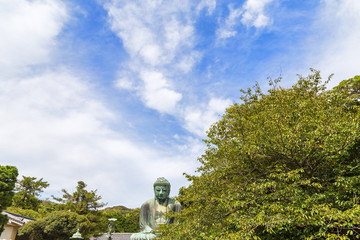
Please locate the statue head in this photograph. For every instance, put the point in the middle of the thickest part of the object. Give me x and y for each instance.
(161, 189)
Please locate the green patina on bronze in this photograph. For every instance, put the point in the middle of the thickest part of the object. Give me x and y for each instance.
(111, 227)
(153, 211)
(77, 235)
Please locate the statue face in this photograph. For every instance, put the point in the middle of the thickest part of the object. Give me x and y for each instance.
(161, 192)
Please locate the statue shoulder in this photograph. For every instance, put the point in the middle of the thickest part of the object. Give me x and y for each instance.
(148, 203)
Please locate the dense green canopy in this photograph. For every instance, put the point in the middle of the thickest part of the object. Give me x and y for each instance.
(59, 225)
(280, 165)
(8, 176)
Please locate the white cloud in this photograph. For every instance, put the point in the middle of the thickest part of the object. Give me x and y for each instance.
(37, 109)
(124, 83)
(209, 4)
(187, 62)
(199, 119)
(227, 30)
(54, 125)
(157, 94)
(254, 13)
(334, 46)
(158, 36)
(251, 14)
(151, 30)
(28, 30)
(218, 105)
(177, 35)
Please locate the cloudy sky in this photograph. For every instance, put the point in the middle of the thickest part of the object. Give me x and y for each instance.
(119, 92)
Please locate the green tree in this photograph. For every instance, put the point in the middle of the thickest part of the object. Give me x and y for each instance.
(126, 222)
(25, 212)
(281, 165)
(28, 190)
(59, 225)
(45, 208)
(350, 87)
(81, 201)
(60, 220)
(8, 175)
(133, 218)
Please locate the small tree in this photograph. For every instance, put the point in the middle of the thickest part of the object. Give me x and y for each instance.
(28, 190)
(81, 201)
(84, 203)
(8, 175)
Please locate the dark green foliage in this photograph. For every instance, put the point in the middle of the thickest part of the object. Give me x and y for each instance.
(59, 225)
(28, 190)
(25, 212)
(45, 208)
(8, 175)
(281, 165)
(60, 220)
(79, 209)
(126, 222)
(133, 219)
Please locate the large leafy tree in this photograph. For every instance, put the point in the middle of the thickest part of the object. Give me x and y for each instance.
(28, 190)
(8, 175)
(280, 165)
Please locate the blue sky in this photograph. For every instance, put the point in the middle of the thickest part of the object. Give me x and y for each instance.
(119, 92)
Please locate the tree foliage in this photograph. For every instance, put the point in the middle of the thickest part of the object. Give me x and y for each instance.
(28, 190)
(59, 225)
(280, 165)
(350, 87)
(128, 222)
(81, 201)
(60, 220)
(8, 175)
